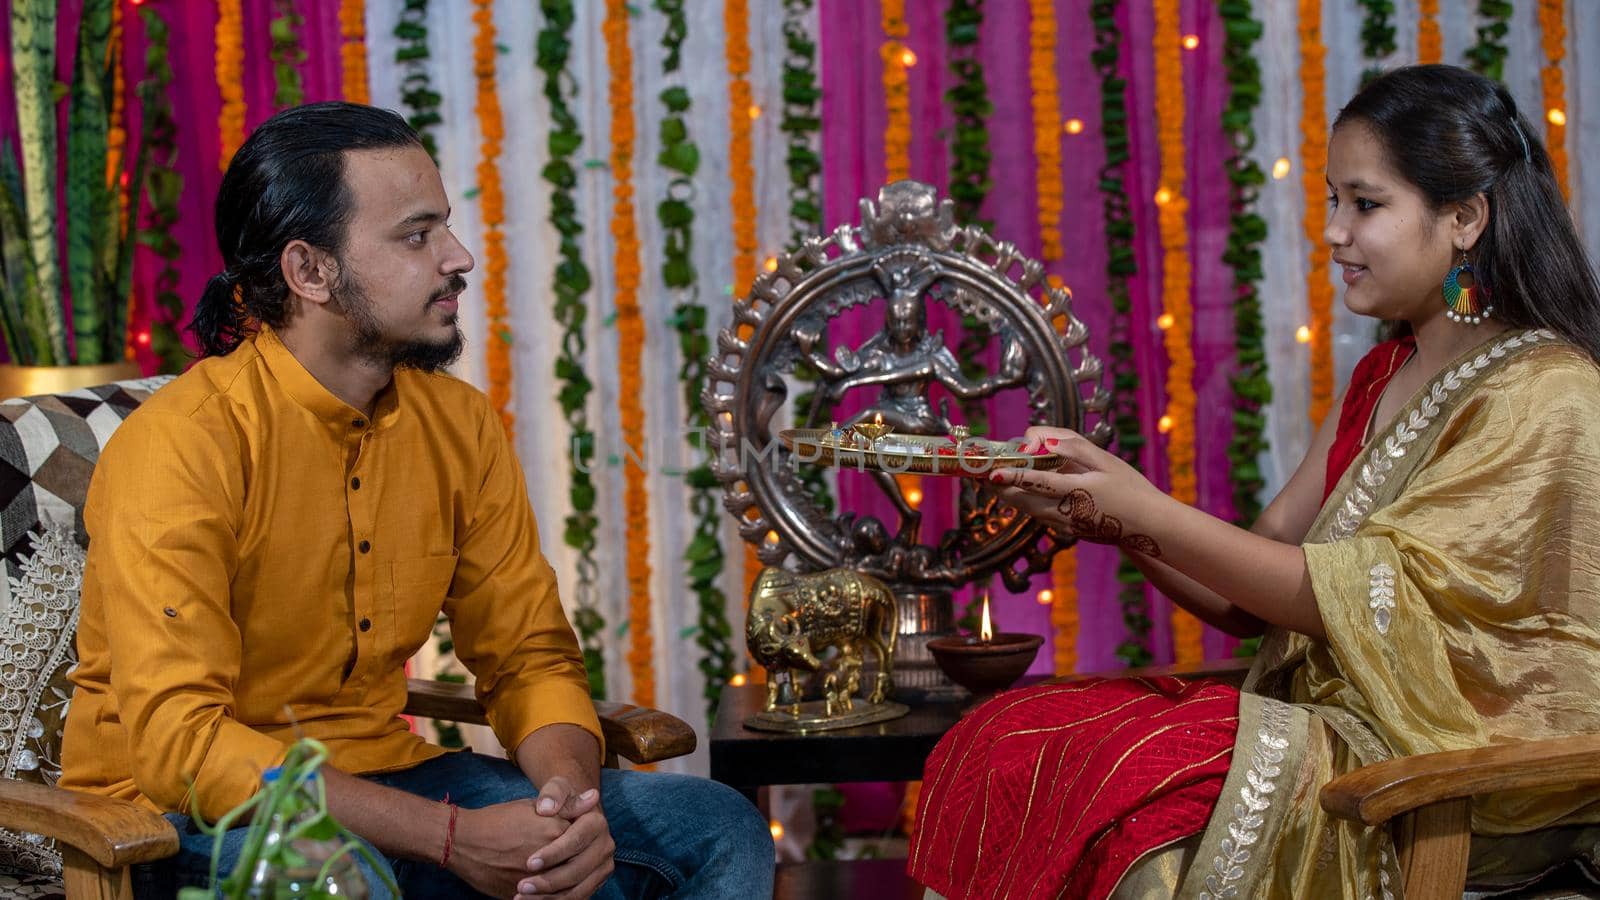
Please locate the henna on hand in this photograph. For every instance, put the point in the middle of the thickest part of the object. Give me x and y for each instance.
(1078, 508)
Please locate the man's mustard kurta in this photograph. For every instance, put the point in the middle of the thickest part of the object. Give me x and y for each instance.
(262, 562)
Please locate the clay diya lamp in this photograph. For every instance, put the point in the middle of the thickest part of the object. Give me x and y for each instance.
(985, 663)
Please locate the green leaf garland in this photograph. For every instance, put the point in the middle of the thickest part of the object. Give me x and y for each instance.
(1120, 269)
(1487, 56)
(163, 188)
(681, 158)
(1252, 389)
(287, 55)
(1377, 33)
(571, 283)
(416, 89)
(968, 99)
(801, 122)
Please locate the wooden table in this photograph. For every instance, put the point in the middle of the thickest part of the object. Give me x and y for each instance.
(887, 751)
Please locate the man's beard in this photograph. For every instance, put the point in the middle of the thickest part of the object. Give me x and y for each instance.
(369, 342)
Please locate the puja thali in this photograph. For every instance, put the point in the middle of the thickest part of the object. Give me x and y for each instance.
(882, 451)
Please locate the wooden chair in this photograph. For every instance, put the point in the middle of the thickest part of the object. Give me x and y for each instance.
(51, 838)
(1427, 798)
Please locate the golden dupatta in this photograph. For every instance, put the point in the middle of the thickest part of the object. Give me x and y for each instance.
(1455, 569)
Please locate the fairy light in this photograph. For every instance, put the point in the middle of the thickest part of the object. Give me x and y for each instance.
(1074, 126)
(1280, 168)
(1047, 597)
(755, 111)
(1191, 41)
(1163, 197)
(142, 338)
(771, 265)
(777, 830)
(1164, 321)
(1164, 424)
(907, 58)
(914, 497)
(1557, 116)
(1303, 334)
(737, 680)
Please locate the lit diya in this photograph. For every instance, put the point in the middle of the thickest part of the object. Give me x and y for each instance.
(986, 662)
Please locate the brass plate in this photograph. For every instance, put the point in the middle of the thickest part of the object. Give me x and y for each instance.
(813, 717)
(920, 454)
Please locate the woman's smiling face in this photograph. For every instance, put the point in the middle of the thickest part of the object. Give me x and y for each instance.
(1393, 248)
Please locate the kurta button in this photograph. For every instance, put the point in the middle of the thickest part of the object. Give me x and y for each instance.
(358, 423)
(366, 624)
(355, 484)
(171, 613)
(363, 546)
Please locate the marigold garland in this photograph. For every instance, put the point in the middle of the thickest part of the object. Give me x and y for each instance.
(1552, 39)
(630, 345)
(1173, 218)
(896, 92)
(1046, 125)
(569, 286)
(230, 78)
(1430, 43)
(897, 130)
(1064, 611)
(491, 206)
(117, 134)
(353, 50)
(1313, 162)
(741, 120)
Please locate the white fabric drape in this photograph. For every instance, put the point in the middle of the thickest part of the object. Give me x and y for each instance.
(531, 243)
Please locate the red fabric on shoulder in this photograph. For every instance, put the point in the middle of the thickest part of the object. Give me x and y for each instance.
(1367, 382)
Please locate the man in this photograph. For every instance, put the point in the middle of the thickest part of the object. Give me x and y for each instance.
(273, 534)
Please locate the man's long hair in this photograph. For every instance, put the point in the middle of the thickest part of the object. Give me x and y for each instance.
(286, 183)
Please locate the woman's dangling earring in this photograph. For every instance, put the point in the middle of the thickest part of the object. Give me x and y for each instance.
(1465, 303)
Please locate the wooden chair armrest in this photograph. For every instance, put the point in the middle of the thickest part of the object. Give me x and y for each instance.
(1377, 793)
(1232, 671)
(639, 734)
(635, 733)
(445, 700)
(113, 833)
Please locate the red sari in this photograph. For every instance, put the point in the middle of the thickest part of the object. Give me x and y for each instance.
(1055, 791)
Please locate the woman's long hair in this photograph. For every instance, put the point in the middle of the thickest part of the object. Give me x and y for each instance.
(1455, 134)
(285, 183)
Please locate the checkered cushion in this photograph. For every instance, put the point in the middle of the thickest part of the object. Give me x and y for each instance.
(48, 447)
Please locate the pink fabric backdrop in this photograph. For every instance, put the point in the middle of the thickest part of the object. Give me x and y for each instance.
(852, 143)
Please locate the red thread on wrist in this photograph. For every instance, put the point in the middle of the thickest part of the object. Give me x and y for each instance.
(449, 833)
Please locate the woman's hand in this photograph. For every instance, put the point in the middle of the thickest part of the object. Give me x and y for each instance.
(1094, 496)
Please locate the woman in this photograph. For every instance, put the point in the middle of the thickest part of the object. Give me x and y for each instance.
(1426, 580)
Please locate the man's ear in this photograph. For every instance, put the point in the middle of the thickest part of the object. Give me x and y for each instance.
(1469, 221)
(308, 272)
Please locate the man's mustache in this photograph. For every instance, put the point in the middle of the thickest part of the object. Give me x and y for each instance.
(455, 285)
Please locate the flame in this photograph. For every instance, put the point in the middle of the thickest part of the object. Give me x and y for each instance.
(877, 419)
(986, 633)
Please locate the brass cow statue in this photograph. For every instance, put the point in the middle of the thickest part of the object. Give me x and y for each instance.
(795, 617)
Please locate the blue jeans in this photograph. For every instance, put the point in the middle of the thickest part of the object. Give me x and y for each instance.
(676, 835)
